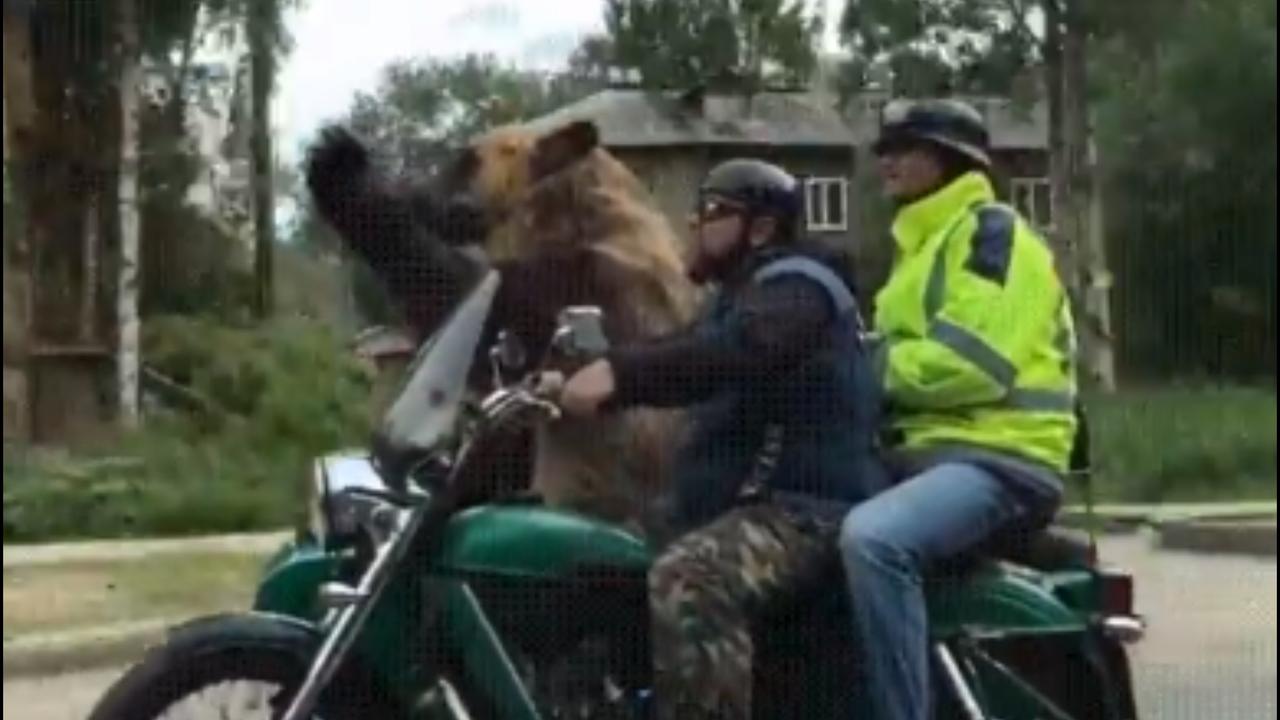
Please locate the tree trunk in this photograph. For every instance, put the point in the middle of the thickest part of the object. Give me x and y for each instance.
(128, 358)
(177, 106)
(19, 126)
(1098, 282)
(87, 330)
(1090, 280)
(261, 50)
(20, 111)
(1059, 151)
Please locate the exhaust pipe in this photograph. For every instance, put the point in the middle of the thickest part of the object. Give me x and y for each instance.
(1126, 629)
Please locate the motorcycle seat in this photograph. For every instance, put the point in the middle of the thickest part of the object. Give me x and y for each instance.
(1052, 549)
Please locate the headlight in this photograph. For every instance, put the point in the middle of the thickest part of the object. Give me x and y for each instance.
(348, 500)
(318, 516)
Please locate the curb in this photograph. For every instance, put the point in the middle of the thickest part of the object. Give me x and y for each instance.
(62, 653)
(1127, 519)
(1254, 539)
(116, 550)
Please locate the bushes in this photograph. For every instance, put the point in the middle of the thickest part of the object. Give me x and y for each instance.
(274, 398)
(1185, 444)
(287, 393)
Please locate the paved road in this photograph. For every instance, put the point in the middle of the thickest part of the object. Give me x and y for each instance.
(69, 697)
(1211, 654)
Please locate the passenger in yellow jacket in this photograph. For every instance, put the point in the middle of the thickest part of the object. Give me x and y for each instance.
(978, 366)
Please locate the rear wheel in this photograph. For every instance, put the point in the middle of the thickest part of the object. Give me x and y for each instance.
(235, 668)
(1065, 670)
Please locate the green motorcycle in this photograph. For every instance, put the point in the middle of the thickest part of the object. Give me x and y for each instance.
(421, 591)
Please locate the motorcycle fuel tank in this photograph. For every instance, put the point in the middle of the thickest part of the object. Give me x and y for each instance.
(535, 542)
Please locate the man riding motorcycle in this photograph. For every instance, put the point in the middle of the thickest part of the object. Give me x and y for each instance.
(783, 437)
(977, 365)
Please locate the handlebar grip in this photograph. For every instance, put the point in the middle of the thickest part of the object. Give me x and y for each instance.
(546, 385)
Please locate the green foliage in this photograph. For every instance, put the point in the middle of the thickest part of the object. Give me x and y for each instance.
(423, 107)
(191, 263)
(931, 47)
(290, 377)
(1184, 444)
(751, 44)
(1188, 133)
(274, 397)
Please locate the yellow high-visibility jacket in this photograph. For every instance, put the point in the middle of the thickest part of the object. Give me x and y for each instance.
(979, 341)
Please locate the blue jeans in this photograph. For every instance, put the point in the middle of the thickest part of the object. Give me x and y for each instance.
(886, 545)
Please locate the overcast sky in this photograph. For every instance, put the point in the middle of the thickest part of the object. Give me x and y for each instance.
(341, 46)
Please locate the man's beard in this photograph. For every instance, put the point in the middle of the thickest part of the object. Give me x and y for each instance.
(704, 268)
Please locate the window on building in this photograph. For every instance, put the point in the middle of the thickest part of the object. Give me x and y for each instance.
(827, 204)
(1033, 197)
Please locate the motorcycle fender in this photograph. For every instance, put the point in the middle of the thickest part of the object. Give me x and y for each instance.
(996, 600)
(292, 578)
(396, 651)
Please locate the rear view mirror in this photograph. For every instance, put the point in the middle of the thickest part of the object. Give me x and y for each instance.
(580, 331)
(506, 355)
(508, 352)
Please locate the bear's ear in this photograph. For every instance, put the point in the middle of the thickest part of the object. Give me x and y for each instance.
(562, 148)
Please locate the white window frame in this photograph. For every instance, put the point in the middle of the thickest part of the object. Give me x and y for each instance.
(1027, 187)
(818, 215)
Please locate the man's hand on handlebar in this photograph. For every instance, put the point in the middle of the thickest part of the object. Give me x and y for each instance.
(583, 392)
(548, 384)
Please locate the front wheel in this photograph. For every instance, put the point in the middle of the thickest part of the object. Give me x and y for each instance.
(235, 667)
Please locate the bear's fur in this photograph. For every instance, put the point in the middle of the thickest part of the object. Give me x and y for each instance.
(562, 195)
(565, 224)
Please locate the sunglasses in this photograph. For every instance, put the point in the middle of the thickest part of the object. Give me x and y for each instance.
(892, 147)
(711, 209)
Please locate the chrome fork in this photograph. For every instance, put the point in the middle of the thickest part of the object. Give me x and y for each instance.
(959, 685)
(352, 606)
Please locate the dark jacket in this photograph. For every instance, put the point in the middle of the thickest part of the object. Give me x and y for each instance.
(778, 347)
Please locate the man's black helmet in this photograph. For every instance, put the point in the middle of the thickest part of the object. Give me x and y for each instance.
(949, 123)
(761, 187)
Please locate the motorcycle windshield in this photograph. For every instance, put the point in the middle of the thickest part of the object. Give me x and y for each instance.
(426, 410)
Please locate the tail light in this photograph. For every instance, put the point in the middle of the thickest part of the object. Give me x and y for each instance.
(1116, 607)
(1116, 592)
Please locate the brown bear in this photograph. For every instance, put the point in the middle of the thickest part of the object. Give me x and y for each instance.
(564, 223)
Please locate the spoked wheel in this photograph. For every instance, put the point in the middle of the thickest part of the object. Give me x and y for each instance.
(239, 699)
(235, 668)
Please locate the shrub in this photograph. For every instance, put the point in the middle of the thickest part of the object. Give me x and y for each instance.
(1185, 443)
(273, 398)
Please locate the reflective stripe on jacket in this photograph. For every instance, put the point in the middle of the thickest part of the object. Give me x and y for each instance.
(979, 342)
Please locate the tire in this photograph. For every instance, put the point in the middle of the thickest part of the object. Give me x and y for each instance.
(247, 647)
(1069, 671)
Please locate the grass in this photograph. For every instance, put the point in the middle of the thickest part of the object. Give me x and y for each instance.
(71, 596)
(1184, 444)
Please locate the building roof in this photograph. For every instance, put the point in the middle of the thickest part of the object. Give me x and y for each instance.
(632, 118)
(641, 118)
